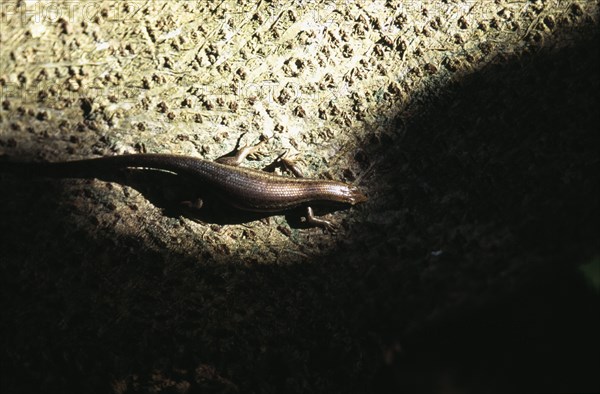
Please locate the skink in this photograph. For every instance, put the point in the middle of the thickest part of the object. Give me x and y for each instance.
(244, 188)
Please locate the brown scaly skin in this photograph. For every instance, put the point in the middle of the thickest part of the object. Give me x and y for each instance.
(244, 188)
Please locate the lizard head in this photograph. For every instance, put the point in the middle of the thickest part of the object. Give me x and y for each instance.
(355, 196)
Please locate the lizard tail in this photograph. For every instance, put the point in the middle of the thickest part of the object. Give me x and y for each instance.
(91, 168)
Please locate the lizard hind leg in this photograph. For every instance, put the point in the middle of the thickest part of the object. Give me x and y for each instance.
(240, 153)
(192, 205)
(285, 164)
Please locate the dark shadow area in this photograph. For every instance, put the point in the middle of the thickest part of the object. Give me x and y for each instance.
(542, 339)
(495, 187)
(463, 275)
